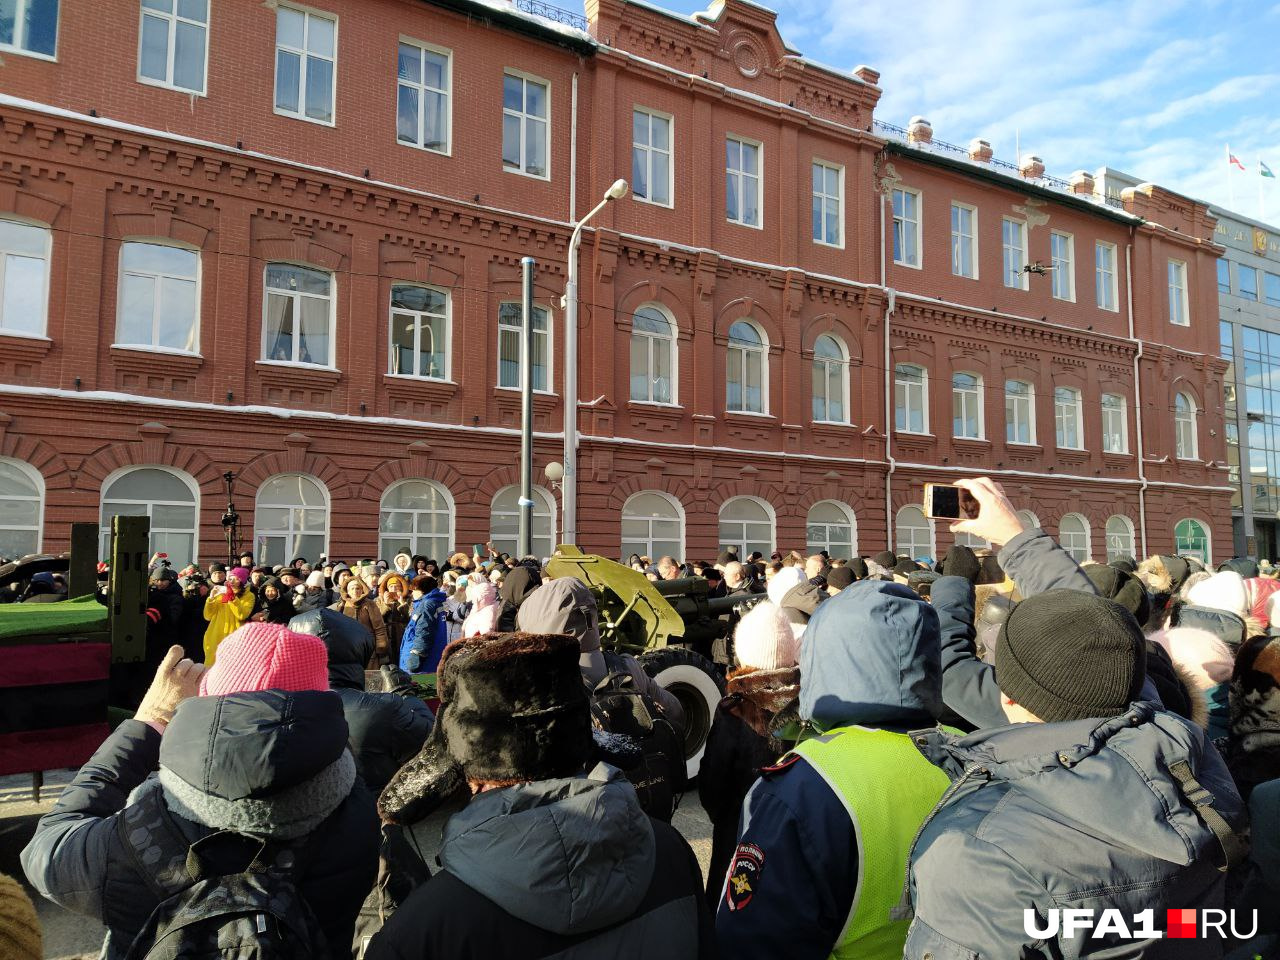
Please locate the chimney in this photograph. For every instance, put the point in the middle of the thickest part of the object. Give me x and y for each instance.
(867, 74)
(919, 131)
(980, 150)
(1031, 167)
(1082, 183)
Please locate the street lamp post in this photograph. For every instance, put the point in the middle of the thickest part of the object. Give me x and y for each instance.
(569, 487)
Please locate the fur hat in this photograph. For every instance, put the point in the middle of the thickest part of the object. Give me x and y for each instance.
(1222, 591)
(19, 925)
(763, 639)
(1163, 574)
(1126, 590)
(513, 707)
(267, 656)
(1201, 656)
(1255, 713)
(886, 559)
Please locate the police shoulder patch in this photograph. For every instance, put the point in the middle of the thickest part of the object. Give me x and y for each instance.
(744, 876)
(782, 766)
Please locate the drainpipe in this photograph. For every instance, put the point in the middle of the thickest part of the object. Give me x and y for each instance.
(888, 388)
(1137, 393)
(573, 152)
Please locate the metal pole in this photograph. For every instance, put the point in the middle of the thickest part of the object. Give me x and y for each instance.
(569, 484)
(525, 547)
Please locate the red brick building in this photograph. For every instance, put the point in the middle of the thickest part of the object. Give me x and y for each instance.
(277, 240)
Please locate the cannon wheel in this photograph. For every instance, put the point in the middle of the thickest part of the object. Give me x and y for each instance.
(693, 680)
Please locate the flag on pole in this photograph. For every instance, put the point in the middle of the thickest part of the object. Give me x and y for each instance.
(1233, 160)
(1265, 171)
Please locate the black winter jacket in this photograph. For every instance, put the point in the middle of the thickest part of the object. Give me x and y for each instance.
(271, 763)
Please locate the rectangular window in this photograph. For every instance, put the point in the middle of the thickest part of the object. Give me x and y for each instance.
(526, 125)
(173, 43)
(419, 332)
(29, 26)
(24, 277)
(906, 228)
(828, 206)
(1062, 247)
(1179, 311)
(1067, 418)
(1271, 289)
(742, 182)
(910, 395)
(1019, 412)
(1013, 235)
(1104, 256)
(306, 64)
(510, 347)
(966, 406)
(298, 319)
(159, 297)
(651, 157)
(423, 110)
(1115, 424)
(1248, 278)
(964, 241)
(1224, 275)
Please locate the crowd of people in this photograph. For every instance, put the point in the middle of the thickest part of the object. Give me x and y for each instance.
(909, 761)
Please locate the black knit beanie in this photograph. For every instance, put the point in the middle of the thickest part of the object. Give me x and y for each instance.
(859, 568)
(905, 567)
(1129, 592)
(1066, 655)
(886, 559)
(840, 577)
(960, 561)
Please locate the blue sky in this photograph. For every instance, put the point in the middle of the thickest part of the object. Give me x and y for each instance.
(1155, 88)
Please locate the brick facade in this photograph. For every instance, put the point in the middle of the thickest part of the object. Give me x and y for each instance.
(226, 176)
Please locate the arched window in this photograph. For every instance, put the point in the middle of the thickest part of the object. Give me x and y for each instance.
(972, 541)
(913, 534)
(966, 406)
(831, 526)
(159, 301)
(21, 508)
(297, 323)
(830, 381)
(910, 398)
(504, 521)
(1073, 534)
(416, 517)
(290, 519)
(1119, 538)
(24, 277)
(1029, 520)
(1191, 539)
(652, 526)
(419, 332)
(653, 356)
(746, 526)
(169, 497)
(747, 382)
(1184, 422)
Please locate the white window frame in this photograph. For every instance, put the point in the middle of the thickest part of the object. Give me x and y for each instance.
(975, 395)
(1179, 305)
(656, 341)
(826, 363)
(418, 316)
(303, 54)
(1087, 548)
(37, 480)
(741, 542)
(1129, 537)
(1188, 425)
(649, 150)
(330, 363)
(19, 26)
(1204, 528)
(822, 197)
(1029, 519)
(817, 546)
(928, 525)
(541, 498)
(423, 89)
(648, 521)
(525, 119)
(1106, 275)
(908, 387)
(156, 307)
(900, 228)
(43, 334)
(1064, 267)
(742, 350)
(1008, 249)
(413, 537)
(1110, 412)
(742, 176)
(172, 20)
(1059, 434)
(104, 528)
(290, 530)
(1030, 399)
(959, 238)
(549, 333)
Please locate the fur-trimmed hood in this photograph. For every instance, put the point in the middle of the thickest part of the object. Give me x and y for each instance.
(766, 700)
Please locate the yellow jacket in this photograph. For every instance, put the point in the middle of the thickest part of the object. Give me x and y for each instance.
(224, 619)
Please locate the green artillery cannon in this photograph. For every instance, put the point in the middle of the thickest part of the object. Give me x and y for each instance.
(657, 623)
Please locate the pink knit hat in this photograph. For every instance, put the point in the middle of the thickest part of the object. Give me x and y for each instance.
(267, 656)
(240, 573)
(1198, 652)
(764, 639)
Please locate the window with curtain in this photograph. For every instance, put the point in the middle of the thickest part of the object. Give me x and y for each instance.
(746, 527)
(415, 517)
(1073, 534)
(159, 297)
(830, 381)
(306, 64)
(510, 346)
(1119, 538)
(1115, 424)
(1191, 539)
(420, 332)
(525, 125)
(652, 526)
(1068, 418)
(291, 519)
(966, 406)
(504, 521)
(1184, 422)
(1019, 412)
(422, 96)
(653, 342)
(174, 43)
(299, 315)
(163, 496)
(748, 369)
(913, 534)
(831, 526)
(910, 398)
(21, 508)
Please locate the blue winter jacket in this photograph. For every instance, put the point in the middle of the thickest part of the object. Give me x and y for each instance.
(426, 636)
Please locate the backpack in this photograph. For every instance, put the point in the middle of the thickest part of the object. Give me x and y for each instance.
(234, 899)
(622, 707)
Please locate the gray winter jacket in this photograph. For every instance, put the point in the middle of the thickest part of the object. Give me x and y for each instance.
(1061, 816)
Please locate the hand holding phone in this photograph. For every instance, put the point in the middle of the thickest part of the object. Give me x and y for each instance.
(945, 501)
(996, 521)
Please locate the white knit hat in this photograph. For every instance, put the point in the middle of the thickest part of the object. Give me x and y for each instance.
(764, 638)
(1222, 591)
(315, 578)
(783, 582)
